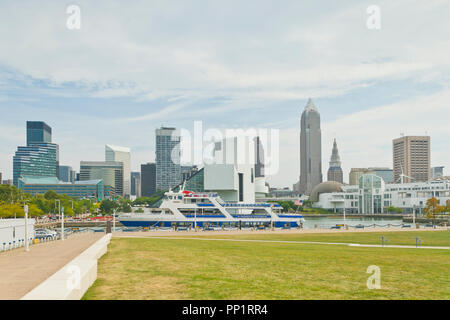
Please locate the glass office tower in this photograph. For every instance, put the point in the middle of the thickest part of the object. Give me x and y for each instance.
(66, 174)
(38, 132)
(148, 179)
(110, 172)
(371, 190)
(168, 168)
(40, 158)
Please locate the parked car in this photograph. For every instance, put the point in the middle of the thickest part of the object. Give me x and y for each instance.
(44, 234)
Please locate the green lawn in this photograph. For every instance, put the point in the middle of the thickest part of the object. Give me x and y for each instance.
(429, 238)
(193, 269)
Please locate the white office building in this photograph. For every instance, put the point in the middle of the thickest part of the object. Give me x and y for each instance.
(231, 172)
(121, 154)
(372, 195)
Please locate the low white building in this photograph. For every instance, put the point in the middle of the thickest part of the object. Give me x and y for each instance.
(372, 195)
(12, 232)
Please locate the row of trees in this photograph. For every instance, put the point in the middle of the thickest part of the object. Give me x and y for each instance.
(12, 201)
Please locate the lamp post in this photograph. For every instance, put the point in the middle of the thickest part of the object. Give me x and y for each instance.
(72, 207)
(62, 223)
(114, 220)
(59, 205)
(27, 247)
(195, 220)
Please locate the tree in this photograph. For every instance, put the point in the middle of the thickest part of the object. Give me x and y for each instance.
(107, 206)
(432, 208)
(51, 195)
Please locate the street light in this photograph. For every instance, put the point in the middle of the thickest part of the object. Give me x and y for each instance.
(114, 220)
(72, 206)
(27, 247)
(62, 217)
(62, 223)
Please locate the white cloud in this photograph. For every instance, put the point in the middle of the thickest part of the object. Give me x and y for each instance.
(251, 56)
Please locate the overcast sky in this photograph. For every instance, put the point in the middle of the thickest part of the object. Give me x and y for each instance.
(135, 65)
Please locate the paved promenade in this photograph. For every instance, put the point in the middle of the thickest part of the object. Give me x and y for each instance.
(22, 271)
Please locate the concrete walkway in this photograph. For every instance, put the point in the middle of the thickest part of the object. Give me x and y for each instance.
(22, 271)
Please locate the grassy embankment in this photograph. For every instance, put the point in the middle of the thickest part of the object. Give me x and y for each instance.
(137, 268)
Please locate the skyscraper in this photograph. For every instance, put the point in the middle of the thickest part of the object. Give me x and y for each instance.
(259, 158)
(335, 171)
(310, 149)
(148, 179)
(40, 158)
(168, 168)
(111, 172)
(121, 154)
(67, 174)
(38, 132)
(411, 157)
(136, 184)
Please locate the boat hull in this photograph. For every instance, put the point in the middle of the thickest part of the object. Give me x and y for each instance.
(211, 222)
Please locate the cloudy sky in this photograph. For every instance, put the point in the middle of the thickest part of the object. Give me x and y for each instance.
(136, 65)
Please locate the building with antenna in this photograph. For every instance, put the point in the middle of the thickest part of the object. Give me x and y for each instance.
(335, 171)
(411, 158)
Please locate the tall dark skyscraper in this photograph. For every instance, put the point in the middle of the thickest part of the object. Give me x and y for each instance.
(40, 158)
(136, 184)
(148, 179)
(310, 149)
(259, 158)
(335, 171)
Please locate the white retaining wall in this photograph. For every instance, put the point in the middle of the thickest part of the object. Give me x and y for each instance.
(73, 280)
(12, 232)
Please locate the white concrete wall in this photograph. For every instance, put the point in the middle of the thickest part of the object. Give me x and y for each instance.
(220, 177)
(73, 280)
(14, 230)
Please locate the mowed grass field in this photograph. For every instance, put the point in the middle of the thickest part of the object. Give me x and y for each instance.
(429, 238)
(146, 268)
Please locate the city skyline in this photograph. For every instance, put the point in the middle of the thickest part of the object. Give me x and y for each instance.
(324, 167)
(369, 88)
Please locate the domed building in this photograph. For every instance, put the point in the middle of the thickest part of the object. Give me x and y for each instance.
(325, 187)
